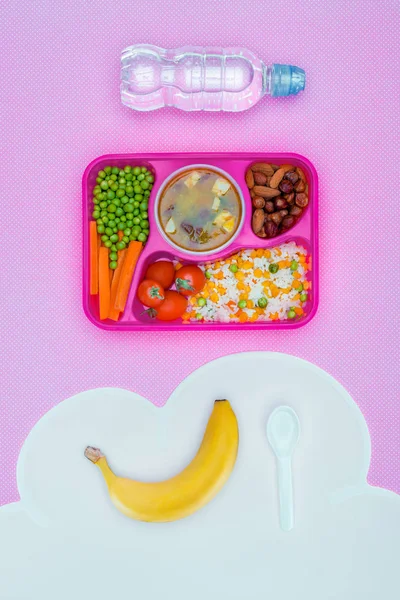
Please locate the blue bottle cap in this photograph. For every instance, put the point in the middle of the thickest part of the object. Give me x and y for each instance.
(287, 80)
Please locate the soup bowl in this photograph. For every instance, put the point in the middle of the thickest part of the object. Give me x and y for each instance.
(167, 182)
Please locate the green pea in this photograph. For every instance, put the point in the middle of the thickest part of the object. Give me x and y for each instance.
(137, 189)
(146, 193)
(140, 177)
(144, 215)
(121, 245)
(122, 186)
(303, 297)
(129, 189)
(291, 314)
(108, 244)
(143, 170)
(136, 171)
(104, 185)
(144, 224)
(123, 218)
(124, 199)
(104, 238)
(136, 204)
(117, 202)
(294, 265)
(208, 274)
(114, 187)
(138, 197)
(111, 208)
(199, 317)
(300, 288)
(99, 222)
(127, 231)
(136, 230)
(129, 176)
(98, 180)
(136, 221)
(121, 226)
(128, 208)
(127, 169)
(234, 268)
(101, 228)
(136, 212)
(115, 170)
(109, 231)
(96, 201)
(133, 237)
(201, 301)
(142, 237)
(149, 178)
(120, 193)
(122, 180)
(273, 268)
(129, 222)
(95, 215)
(144, 185)
(130, 195)
(146, 231)
(96, 190)
(262, 302)
(117, 220)
(119, 212)
(115, 230)
(105, 220)
(125, 239)
(107, 170)
(113, 264)
(110, 195)
(114, 238)
(144, 205)
(242, 304)
(101, 174)
(103, 204)
(113, 248)
(111, 223)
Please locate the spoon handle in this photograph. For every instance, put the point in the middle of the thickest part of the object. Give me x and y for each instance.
(285, 493)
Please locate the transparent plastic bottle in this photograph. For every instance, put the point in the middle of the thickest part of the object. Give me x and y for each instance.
(230, 79)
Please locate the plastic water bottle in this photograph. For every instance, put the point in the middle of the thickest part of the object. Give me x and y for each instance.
(231, 79)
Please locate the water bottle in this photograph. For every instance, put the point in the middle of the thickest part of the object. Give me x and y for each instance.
(230, 79)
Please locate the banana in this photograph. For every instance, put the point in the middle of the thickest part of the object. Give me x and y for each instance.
(188, 491)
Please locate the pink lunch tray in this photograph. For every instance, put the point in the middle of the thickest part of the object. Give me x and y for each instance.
(305, 233)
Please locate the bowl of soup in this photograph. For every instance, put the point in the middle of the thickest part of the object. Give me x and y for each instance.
(199, 209)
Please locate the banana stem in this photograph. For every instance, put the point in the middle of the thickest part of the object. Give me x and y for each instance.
(93, 454)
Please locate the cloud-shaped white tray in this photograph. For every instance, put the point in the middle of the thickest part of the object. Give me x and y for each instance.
(65, 540)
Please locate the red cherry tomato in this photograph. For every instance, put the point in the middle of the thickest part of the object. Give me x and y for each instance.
(151, 293)
(189, 280)
(162, 271)
(172, 308)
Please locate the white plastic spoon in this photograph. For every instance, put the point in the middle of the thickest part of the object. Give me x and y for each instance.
(283, 431)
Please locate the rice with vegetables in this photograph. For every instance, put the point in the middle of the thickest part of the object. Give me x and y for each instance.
(254, 285)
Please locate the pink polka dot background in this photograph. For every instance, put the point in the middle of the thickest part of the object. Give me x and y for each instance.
(60, 109)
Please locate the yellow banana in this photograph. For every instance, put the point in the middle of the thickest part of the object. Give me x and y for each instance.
(188, 491)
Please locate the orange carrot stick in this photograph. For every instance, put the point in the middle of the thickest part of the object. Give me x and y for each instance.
(94, 260)
(128, 268)
(104, 283)
(114, 312)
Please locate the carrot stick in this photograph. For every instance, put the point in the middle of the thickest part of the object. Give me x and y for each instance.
(93, 260)
(128, 268)
(104, 283)
(114, 312)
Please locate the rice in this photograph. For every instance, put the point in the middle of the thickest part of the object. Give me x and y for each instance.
(285, 290)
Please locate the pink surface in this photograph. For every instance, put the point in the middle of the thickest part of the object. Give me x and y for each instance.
(234, 166)
(60, 106)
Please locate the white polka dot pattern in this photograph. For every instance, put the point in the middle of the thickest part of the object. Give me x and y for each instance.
(60, 108)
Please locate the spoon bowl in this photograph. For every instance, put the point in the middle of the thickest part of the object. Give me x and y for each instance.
(283, 431)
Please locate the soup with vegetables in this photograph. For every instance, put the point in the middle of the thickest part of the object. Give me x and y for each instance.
(200, 210)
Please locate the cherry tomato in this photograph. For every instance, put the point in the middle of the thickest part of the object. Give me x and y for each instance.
(162, 271)
(151, 293)
(189, 280)
(172, 308)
